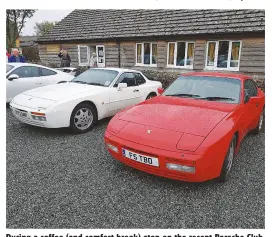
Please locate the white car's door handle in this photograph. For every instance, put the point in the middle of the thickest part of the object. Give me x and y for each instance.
(136, 90)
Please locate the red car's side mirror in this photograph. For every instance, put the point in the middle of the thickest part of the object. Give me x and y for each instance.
(254, 100)
(160, 90)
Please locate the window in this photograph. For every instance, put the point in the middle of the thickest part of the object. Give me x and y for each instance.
(46, 72)
(87, 52)
(180, 54)
(225, 90)
(223, 55)
(146, 54)
(97, 77)
(26, 71)
(126, 78)
(83, 55)
(100, 52)
(250, 87)
(8, 68)
(139, 79)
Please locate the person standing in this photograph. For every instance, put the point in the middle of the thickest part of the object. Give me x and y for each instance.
(65, 58)
(16, 57)
(93, 60)
(7, 56)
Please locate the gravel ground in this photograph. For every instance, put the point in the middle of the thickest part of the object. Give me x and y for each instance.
(58, 180)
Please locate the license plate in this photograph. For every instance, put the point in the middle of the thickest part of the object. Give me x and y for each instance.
(140, 158)
(20, 113)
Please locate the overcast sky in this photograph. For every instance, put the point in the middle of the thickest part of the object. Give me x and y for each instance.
(43, 15)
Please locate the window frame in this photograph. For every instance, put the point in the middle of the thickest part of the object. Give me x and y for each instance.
(142, 55)
(88, 55)
(41, 75)
(101, 65)
(118, 77)
(228, 68)
(175, 54)
(254, 85)
(136, 78)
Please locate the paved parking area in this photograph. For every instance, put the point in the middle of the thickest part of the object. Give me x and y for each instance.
(58, 180)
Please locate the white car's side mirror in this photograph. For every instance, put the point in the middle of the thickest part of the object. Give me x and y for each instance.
(13, 76)
(121, 86)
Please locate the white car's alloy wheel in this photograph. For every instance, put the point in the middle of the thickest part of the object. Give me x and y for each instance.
(83, 118)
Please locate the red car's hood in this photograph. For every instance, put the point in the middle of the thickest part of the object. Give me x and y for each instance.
(187, 116)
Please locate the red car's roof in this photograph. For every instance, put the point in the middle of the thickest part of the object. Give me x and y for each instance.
(217, 74)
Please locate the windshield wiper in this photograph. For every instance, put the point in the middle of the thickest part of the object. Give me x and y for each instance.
(185, 95)
(95, 84)
(81, 82)
(218, 98)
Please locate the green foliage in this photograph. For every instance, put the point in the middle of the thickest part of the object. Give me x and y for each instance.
(15, 22)
(31, 53)
(44, 27)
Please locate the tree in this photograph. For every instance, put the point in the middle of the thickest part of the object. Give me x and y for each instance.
(44, 27)
(15, 22)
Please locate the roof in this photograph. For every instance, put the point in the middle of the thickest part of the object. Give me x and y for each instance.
(29, 64)
(21, 64)
(109, 24)
(218, 74)
(27, 40)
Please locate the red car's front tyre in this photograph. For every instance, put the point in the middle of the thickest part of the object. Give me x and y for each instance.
(257, 130)
(228, 161)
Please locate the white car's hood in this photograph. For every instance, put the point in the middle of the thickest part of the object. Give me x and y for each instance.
(60, 91)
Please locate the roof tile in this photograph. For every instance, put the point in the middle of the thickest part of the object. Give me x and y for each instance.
(104, 24)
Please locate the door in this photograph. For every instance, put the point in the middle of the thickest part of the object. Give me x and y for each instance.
(29, 78)
(249, 121)
(120, 99)
(48, 77)
(100, 52)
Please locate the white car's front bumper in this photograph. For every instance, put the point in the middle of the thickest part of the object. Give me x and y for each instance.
(24, 115)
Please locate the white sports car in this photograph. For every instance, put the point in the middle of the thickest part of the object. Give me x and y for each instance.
(21, 77)
(91, 96)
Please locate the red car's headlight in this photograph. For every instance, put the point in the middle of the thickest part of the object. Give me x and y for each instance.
(189, 142)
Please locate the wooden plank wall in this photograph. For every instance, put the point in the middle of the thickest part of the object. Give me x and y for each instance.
(252, 60)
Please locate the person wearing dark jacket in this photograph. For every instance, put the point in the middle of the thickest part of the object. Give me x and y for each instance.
(16, 58)
(65, 58)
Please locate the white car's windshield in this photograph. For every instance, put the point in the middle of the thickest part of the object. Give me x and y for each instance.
(8, 68)
(208, 88)
(97, 77)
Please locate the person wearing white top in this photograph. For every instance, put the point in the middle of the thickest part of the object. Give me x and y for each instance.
(93, 60)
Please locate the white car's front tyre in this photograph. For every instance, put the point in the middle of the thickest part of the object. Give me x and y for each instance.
(83, 118)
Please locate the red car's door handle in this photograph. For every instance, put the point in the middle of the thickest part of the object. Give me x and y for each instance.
(257, 105)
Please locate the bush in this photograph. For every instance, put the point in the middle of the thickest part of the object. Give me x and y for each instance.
(31, 54)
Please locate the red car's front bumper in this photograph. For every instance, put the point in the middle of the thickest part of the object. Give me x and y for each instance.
(206, 168)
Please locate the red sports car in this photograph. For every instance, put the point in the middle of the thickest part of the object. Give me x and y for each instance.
(192, 131)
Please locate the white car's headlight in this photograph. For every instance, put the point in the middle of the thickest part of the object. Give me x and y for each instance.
(38, 116)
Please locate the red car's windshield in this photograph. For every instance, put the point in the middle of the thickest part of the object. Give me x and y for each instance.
(222, 89)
